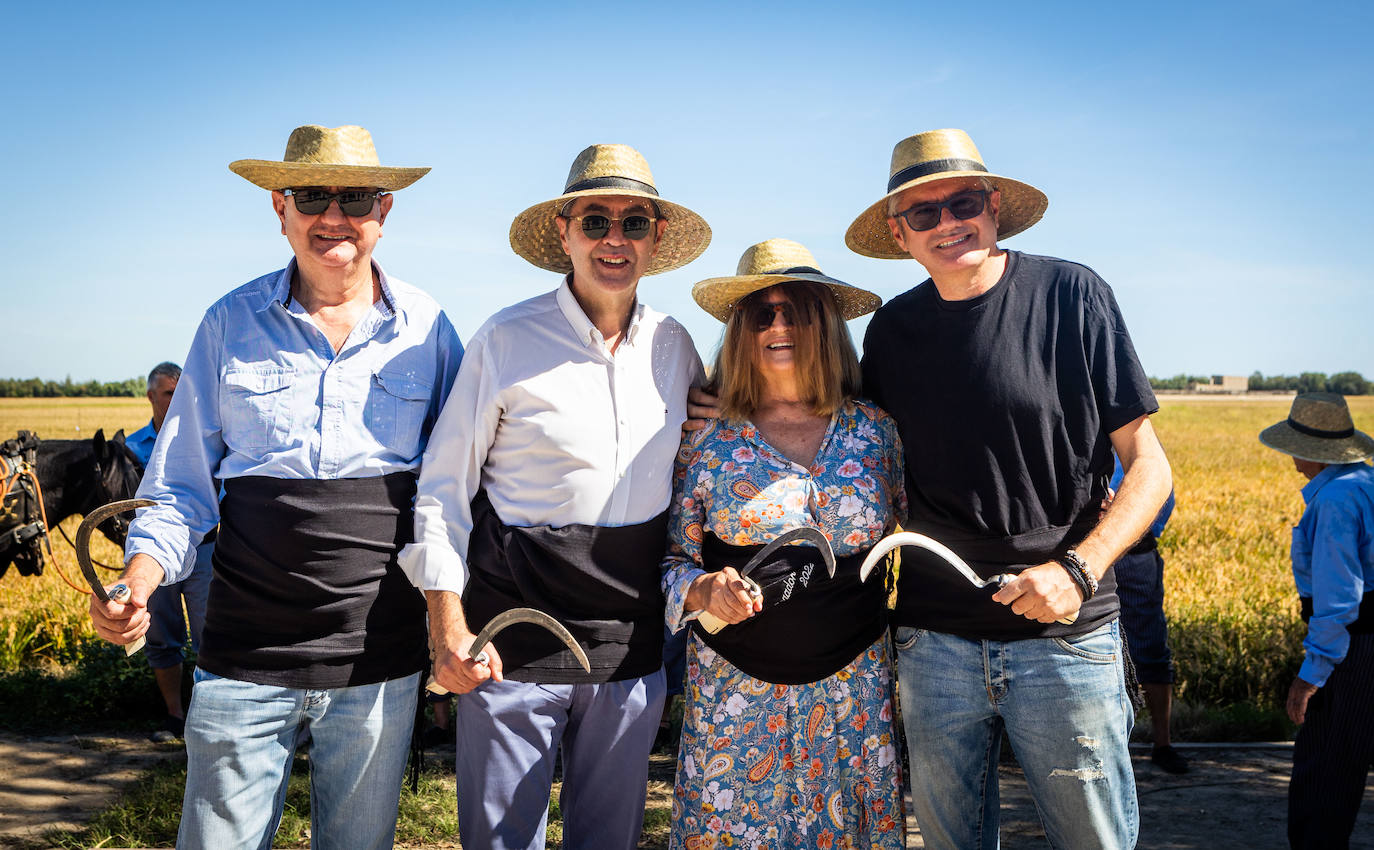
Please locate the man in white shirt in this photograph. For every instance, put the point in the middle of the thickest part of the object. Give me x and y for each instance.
(546, 484)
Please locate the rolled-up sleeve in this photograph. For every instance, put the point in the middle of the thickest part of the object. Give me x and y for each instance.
(180, 476)
(450, 475)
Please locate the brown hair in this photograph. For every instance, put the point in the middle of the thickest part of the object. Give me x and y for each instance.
(827, 365)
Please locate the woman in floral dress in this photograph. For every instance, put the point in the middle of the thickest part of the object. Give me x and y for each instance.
(788, 736)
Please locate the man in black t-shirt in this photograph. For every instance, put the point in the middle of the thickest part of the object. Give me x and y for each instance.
(1012, 378)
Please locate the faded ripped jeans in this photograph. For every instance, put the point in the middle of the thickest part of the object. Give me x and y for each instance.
(1064, 706)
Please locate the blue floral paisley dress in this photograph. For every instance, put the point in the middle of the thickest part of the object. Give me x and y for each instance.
(785, 766)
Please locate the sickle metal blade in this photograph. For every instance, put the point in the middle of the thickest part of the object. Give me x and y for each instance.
(510, 618)
(911, 538)
(534, 617)
(83, 553)
(83, 539)
(811, 535)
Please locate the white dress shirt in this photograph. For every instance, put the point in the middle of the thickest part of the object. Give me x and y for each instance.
(557, 428)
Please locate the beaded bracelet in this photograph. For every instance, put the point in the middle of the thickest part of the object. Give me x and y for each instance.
(1077, 568)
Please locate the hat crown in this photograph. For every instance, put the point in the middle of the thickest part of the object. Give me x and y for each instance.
(346, 145)
(598, 162)
(934, 147)
(775, 256)
(1322, 412)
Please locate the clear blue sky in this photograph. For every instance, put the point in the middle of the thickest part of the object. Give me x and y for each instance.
(1211, 161)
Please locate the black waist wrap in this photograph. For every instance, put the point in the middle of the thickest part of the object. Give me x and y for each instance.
(1364, 623)
(932, 595)
(306, 591)
(811, 625)
(600, 582)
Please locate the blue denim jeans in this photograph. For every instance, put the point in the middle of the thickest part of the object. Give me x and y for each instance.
(1064, 706)
(241, 738)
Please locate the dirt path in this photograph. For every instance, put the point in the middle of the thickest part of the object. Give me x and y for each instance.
(1235, 798)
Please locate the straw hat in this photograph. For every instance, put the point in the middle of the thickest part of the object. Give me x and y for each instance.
(1319, 428)
(940, 155)
(326, 156)
(772, 262)
(608, 170)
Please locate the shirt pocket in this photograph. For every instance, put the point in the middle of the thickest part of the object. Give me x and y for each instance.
(254, 409)
(396, 405)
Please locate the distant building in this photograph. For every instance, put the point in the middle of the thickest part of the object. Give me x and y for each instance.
(1223, 384)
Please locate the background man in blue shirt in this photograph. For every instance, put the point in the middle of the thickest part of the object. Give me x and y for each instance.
(168, 623)
(1333, 568)
(298, 426)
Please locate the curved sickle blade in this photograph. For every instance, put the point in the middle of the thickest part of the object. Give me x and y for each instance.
(510, 618)
(534, 617)
(810, 535)
(83, 539)
(911, 538)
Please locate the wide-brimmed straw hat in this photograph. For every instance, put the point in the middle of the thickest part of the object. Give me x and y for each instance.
(772, 262)
(1319, 428)
(608, 170)
(327, 156)
(940, 155)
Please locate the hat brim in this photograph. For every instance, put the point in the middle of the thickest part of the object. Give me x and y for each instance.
(1021, 206)
(534, 236)
(276, 176)
(719, 295)
(1283, 437)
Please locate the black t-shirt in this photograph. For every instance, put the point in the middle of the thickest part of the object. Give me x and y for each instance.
(1004, 403)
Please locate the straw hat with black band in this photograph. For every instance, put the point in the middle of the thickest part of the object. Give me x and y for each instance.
(940, 155)
(1319, 428)
(772, 262)
(327, 156)
(618, 170)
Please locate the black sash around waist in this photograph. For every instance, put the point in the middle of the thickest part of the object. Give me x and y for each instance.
(932, 595)
(1364, 623)
(603, 583)
(306, 590)
(811, 625)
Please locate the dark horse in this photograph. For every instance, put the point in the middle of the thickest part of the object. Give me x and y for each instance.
(75, 476)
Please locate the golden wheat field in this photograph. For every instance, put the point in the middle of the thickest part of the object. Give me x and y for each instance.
(1233, 614)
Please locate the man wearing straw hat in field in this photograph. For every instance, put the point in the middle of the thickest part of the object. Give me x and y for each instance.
(307, 395)
(546, 485)
(1332, 697)
(1012, 378)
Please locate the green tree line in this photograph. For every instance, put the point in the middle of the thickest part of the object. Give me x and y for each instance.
(1345, 383)
(67, 388)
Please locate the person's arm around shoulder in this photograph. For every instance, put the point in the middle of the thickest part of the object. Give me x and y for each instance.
(1046, 593)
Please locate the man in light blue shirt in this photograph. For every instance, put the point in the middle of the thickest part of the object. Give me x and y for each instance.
(1332, 696)
(298, 426)
(167, 629)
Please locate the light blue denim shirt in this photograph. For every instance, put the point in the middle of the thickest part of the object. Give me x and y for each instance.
(263, 393)
(1333, 561)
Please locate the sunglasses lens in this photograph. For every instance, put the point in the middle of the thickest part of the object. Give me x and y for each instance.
(635, 226)
(311, 201)
(357, 204)
(966, 205)
(762, 315)
(595, 226)
(922, 216)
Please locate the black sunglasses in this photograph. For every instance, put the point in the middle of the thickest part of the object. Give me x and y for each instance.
(596, 225)
(759, 315)
(962, 205)
(354, 202)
